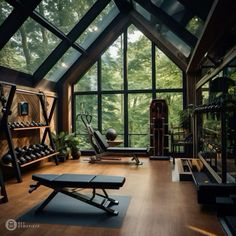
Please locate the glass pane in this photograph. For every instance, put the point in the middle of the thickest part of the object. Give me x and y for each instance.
(195, 26)
(57, 12)
(165, 32)
(182, 15)
(139, 60)
(174, 39)
(88, 82)
(85, 104)
(113, 112)
(168, 75)
(28, 47)
(98, 25)
(112, 67)
(172, 7)
(138, 108)
(5, 10)
(63, 65)
(175, 106)
(142, 11)
(139, 140)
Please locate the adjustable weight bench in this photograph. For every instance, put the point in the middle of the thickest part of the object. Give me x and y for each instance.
(106, 150)
(102, 148)
(71, 184)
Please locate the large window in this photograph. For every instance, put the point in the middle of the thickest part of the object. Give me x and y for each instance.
(139, 60)
(28, 47)
(119, 95)
(112, 67)
(57, 12)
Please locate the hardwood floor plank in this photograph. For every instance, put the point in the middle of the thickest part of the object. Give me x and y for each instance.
(158, 206)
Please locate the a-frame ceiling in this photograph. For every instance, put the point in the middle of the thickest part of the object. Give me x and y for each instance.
(167, 23)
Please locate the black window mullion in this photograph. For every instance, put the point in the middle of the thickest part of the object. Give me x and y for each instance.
(184, 89)
(126, 111)
(99, 74)
(73, 109)
(153, 70)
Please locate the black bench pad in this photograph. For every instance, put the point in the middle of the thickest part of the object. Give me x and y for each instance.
(80, 181)
(127, 150)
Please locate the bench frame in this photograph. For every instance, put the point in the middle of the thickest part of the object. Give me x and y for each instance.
(103, 201)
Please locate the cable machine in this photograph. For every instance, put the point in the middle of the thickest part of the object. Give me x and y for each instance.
(159, 137)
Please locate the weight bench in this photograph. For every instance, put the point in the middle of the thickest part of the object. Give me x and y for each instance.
(106, 150)
(102, 148)
(71, 184)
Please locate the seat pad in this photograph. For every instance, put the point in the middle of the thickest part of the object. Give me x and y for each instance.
(80, 181)
(129, 150)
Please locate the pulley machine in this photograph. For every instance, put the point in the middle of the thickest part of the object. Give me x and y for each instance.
(159, 137)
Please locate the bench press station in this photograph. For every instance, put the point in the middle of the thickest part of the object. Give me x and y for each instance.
(71, 184)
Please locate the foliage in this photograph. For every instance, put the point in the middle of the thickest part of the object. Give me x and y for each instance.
(73, 142)
(66, 142)
(61, 143)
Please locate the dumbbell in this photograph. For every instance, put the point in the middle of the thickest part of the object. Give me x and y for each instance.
(50, 150)
(33, 157)
(13, 125)
(20, 124)
(19, 152)
(26, 124)
(47, 152)
(38, 155)
(44, 145)
(28, 158)
(7, 159)
(40, 146)
(22, 160)
(33, 123)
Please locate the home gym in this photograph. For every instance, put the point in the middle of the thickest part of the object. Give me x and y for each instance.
(117, 117)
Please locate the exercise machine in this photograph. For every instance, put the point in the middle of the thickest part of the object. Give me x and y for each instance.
(102, 149)
(72, 185)
(159, 137)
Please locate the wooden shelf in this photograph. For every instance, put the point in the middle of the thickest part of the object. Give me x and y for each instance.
(39, 159)
(29, 128)
(34, 161)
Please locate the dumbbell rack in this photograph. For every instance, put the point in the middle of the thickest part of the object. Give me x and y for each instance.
(6, 111)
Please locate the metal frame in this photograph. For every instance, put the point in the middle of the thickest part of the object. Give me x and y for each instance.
(5, 127)
(23, 9)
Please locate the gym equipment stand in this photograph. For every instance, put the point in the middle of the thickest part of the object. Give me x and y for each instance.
(6, 110)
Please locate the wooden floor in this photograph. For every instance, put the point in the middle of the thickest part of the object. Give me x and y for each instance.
(158, 205)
